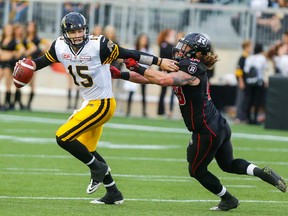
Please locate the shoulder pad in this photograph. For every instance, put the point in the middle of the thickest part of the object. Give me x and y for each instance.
(93, 37)
(189, 66)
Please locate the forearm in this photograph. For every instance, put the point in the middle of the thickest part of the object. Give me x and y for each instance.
(137, 78)
(162, 78)
(141, 57)
(41, 62)
(158, 77)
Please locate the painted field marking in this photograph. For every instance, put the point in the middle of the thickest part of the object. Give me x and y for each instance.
(9, 118)
(141, 200)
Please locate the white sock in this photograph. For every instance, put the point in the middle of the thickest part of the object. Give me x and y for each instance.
(223, 191)
(250, 169)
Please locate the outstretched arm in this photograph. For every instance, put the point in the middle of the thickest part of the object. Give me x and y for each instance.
(148, 59)
(177, 78)
(130, 76)
(109, 51)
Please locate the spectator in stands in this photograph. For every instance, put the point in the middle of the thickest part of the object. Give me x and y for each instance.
(282, 3)
(97, 30)
(281, 59)
(72, 7)
(166, 41)
(255, 67)
(19, 11)
(35, 47)
(284, 38)
(269, 25)
(10, 50)
(241, 85)
(142, 44)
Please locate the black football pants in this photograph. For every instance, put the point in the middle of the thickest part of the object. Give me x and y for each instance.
(201, 151)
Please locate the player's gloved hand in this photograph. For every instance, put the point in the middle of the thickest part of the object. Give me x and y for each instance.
(17, 64)
(131, 64)
(115, 72)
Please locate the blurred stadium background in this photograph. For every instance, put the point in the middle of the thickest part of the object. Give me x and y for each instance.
(227, 22)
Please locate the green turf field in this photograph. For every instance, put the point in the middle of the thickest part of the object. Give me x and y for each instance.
(147, 157)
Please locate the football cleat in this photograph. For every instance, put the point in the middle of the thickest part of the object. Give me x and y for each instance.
(97, 177)
(226, 205)
(269, 176)
(110, 198)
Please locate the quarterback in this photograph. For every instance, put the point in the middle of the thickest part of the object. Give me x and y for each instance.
(87, 58)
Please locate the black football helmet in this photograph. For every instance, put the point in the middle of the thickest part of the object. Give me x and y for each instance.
(196, 42)
(74, 21)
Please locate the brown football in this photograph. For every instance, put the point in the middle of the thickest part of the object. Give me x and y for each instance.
(23, 73)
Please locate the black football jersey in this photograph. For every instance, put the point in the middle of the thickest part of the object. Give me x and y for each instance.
(197, 109)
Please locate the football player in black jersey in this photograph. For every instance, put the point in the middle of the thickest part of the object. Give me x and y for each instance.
(210, 131)
(87, 59)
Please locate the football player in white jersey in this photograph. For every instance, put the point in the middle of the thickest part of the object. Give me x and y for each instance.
(87, 58)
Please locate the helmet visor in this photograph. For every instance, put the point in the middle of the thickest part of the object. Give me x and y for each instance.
(181, 49)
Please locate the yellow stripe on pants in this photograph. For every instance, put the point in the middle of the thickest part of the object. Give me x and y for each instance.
(86, 124)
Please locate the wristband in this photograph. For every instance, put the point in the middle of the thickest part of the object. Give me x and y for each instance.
(160, 62)
(145, 59)
(125, 75)
(155, 60)
(141, 70)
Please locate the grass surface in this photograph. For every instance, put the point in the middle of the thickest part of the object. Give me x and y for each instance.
(147, 157)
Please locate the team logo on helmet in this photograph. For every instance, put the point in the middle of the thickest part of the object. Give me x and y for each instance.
(201, 40)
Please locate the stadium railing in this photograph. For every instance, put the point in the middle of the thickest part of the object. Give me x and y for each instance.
(227, 25)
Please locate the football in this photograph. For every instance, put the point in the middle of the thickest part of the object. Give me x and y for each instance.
(23, 73)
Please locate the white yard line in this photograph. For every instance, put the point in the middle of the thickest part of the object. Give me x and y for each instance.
(9, 118)
(141, 200)
(103, 144)
(187, 178)
(128, 158)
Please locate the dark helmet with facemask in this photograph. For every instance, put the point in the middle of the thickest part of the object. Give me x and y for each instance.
(74, 21)
(190, 44)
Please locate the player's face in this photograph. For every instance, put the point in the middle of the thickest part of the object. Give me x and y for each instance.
(76, 36)
(182, 49)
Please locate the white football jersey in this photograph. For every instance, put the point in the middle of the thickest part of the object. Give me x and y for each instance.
(92, 76)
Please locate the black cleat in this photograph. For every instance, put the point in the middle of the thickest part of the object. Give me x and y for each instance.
(110, 198)
(269, 176)
(97, 177)
(226, 205)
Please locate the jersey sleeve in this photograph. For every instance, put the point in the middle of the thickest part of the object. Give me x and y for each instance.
(51, 53)
(109, 51)
(48, 58)
(192, 67)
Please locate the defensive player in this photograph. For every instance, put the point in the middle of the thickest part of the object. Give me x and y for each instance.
(210, 131)
(87, 59)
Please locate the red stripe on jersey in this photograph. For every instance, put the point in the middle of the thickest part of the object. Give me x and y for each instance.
(204, 120)
(192, 115)
(194, 167)
(198, 147)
